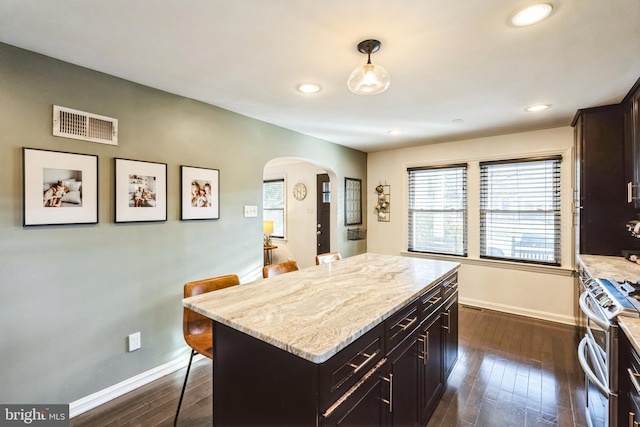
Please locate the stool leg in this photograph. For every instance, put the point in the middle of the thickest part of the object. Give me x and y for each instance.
(184, 386)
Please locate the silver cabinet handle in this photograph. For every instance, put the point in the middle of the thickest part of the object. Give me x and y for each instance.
(390, 401)
(406, 325)
(424, 339)
(369, 357)
(630, 187)
(434, 300)
(353, 389)
(448, 327)
(634, 379)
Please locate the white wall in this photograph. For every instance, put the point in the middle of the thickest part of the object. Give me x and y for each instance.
(537, 291)
(299, 243)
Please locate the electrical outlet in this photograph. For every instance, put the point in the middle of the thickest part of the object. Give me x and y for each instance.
(250, 211)
(134, 341)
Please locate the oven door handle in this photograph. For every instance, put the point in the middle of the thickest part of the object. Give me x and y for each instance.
(585, 367)
(590, 314)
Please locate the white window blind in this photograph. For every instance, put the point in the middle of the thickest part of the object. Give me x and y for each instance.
(438, 210)
(520, 210)
(273, 205)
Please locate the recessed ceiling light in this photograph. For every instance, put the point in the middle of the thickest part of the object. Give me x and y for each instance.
(457, 121)
(309, 88)
(537, 107)
(531, 14)
(395, 132)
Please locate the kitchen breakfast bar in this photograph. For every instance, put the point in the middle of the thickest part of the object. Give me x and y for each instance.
(367, 340)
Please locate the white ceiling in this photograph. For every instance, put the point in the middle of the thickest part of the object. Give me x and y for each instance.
(447, 59)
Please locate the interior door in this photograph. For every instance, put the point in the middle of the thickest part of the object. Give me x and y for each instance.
(323, 209)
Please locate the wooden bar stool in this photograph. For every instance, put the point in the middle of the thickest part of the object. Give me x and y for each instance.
(197, 329)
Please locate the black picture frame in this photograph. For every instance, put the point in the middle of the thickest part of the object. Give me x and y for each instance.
(59, 187)
(352, 201)
(140, 191)
(199, 193)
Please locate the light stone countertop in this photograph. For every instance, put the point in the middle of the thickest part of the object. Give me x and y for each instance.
(618, 269)
(317, 311)
(610, 267)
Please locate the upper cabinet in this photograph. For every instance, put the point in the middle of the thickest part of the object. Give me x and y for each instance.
(607, 165)
(632, 145)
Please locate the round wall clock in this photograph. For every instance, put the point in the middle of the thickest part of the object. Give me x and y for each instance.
(299, 191)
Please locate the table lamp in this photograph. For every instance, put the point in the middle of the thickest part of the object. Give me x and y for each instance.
(267, 227)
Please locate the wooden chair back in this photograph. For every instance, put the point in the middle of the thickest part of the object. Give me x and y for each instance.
(275, 269)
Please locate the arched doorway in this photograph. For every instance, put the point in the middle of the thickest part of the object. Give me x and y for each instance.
(298, 239)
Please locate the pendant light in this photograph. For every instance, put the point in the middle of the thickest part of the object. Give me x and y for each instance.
(369, 79)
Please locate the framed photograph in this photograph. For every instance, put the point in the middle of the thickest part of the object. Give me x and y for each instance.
(199, 193)
(141, 191)
(59, 188)
(352, 201)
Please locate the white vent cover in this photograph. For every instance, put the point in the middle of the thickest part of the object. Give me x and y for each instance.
(76, 124)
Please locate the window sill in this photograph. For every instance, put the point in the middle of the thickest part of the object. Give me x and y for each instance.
(534, 268)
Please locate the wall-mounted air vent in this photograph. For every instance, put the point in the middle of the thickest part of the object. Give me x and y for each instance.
(76, 124)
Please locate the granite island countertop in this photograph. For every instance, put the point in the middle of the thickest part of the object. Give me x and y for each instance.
(317, 311)
(618, 269)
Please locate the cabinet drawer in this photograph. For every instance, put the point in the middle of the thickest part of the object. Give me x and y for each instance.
(430, 301)
(348, 366)
(401, 324)
(449, 285)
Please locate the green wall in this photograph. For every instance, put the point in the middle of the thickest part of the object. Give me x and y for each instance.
(70, 295)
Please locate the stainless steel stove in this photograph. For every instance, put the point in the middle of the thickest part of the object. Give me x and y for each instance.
(602, 302)
(615, 299)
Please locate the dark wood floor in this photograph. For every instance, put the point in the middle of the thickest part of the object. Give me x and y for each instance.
(512, 371)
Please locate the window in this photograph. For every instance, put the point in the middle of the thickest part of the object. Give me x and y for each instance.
(438, 210)
(273, 205)
(520, 210)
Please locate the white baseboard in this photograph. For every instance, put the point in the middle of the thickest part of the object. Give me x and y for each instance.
(536, 314)
(103, 396)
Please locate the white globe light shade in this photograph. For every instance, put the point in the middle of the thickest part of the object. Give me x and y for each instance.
(369, 79)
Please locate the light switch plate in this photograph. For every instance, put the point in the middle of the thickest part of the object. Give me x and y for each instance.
(250, 211)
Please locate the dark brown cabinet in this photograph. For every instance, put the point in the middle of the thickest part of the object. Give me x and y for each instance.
(632, 146)
(450, 339)
(402, 368)
(629, 384)
(607, 166)
(603, 209)
(393, 375)
(431, 374)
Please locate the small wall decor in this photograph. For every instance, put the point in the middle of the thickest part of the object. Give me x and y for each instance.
(140, 191)
(352, 201)
(383, 205)
(59, 188)
(199, 193)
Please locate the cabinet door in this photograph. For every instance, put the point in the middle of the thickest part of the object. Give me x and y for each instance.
(403, 383)
(431, 373)
(364, 407)
(450, 340)
(632, 130)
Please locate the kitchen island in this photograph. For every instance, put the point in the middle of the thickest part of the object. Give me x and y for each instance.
(334, 343)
